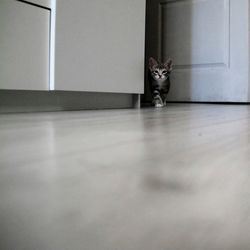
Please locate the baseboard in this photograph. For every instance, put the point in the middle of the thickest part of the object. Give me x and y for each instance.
(221, 103)
(149, 104)
(35, 101)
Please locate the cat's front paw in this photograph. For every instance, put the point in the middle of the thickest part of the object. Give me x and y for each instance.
(158, 105)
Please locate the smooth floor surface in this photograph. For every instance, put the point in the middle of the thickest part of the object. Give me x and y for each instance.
(176, 178)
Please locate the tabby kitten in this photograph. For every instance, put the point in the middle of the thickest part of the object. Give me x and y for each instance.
(159, 81)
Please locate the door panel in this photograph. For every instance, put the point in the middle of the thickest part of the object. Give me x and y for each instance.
(194, 36)
(24, 46)
(209, 43)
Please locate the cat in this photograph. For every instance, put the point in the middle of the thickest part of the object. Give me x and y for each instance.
(159, 80)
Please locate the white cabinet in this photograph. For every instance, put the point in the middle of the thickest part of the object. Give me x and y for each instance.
(100, 45)
(24, 46)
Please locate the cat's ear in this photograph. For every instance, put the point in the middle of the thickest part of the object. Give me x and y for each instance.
(169, 64)
(152, 63)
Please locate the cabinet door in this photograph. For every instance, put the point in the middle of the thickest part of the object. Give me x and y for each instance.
(100, 45)
(24, 46)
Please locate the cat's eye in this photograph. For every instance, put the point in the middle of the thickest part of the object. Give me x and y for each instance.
(164, 72)
(155, 72)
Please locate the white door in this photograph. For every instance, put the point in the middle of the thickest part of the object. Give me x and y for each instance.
(209, 43)
(24, 46)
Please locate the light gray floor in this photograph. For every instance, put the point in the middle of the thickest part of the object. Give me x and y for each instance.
(176, 178)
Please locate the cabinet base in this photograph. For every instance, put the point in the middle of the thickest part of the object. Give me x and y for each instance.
(39, 101)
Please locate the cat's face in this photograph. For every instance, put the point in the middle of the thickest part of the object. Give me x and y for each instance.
(160, 71)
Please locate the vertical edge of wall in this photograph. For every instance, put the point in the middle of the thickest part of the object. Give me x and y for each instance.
(12, 101)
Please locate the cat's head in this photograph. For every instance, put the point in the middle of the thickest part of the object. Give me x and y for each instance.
(160, 71)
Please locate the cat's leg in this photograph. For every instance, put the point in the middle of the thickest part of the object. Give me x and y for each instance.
(157, 100)
(164, 98)
(165, 92)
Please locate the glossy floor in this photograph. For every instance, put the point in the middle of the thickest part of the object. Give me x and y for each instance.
(176, 178)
